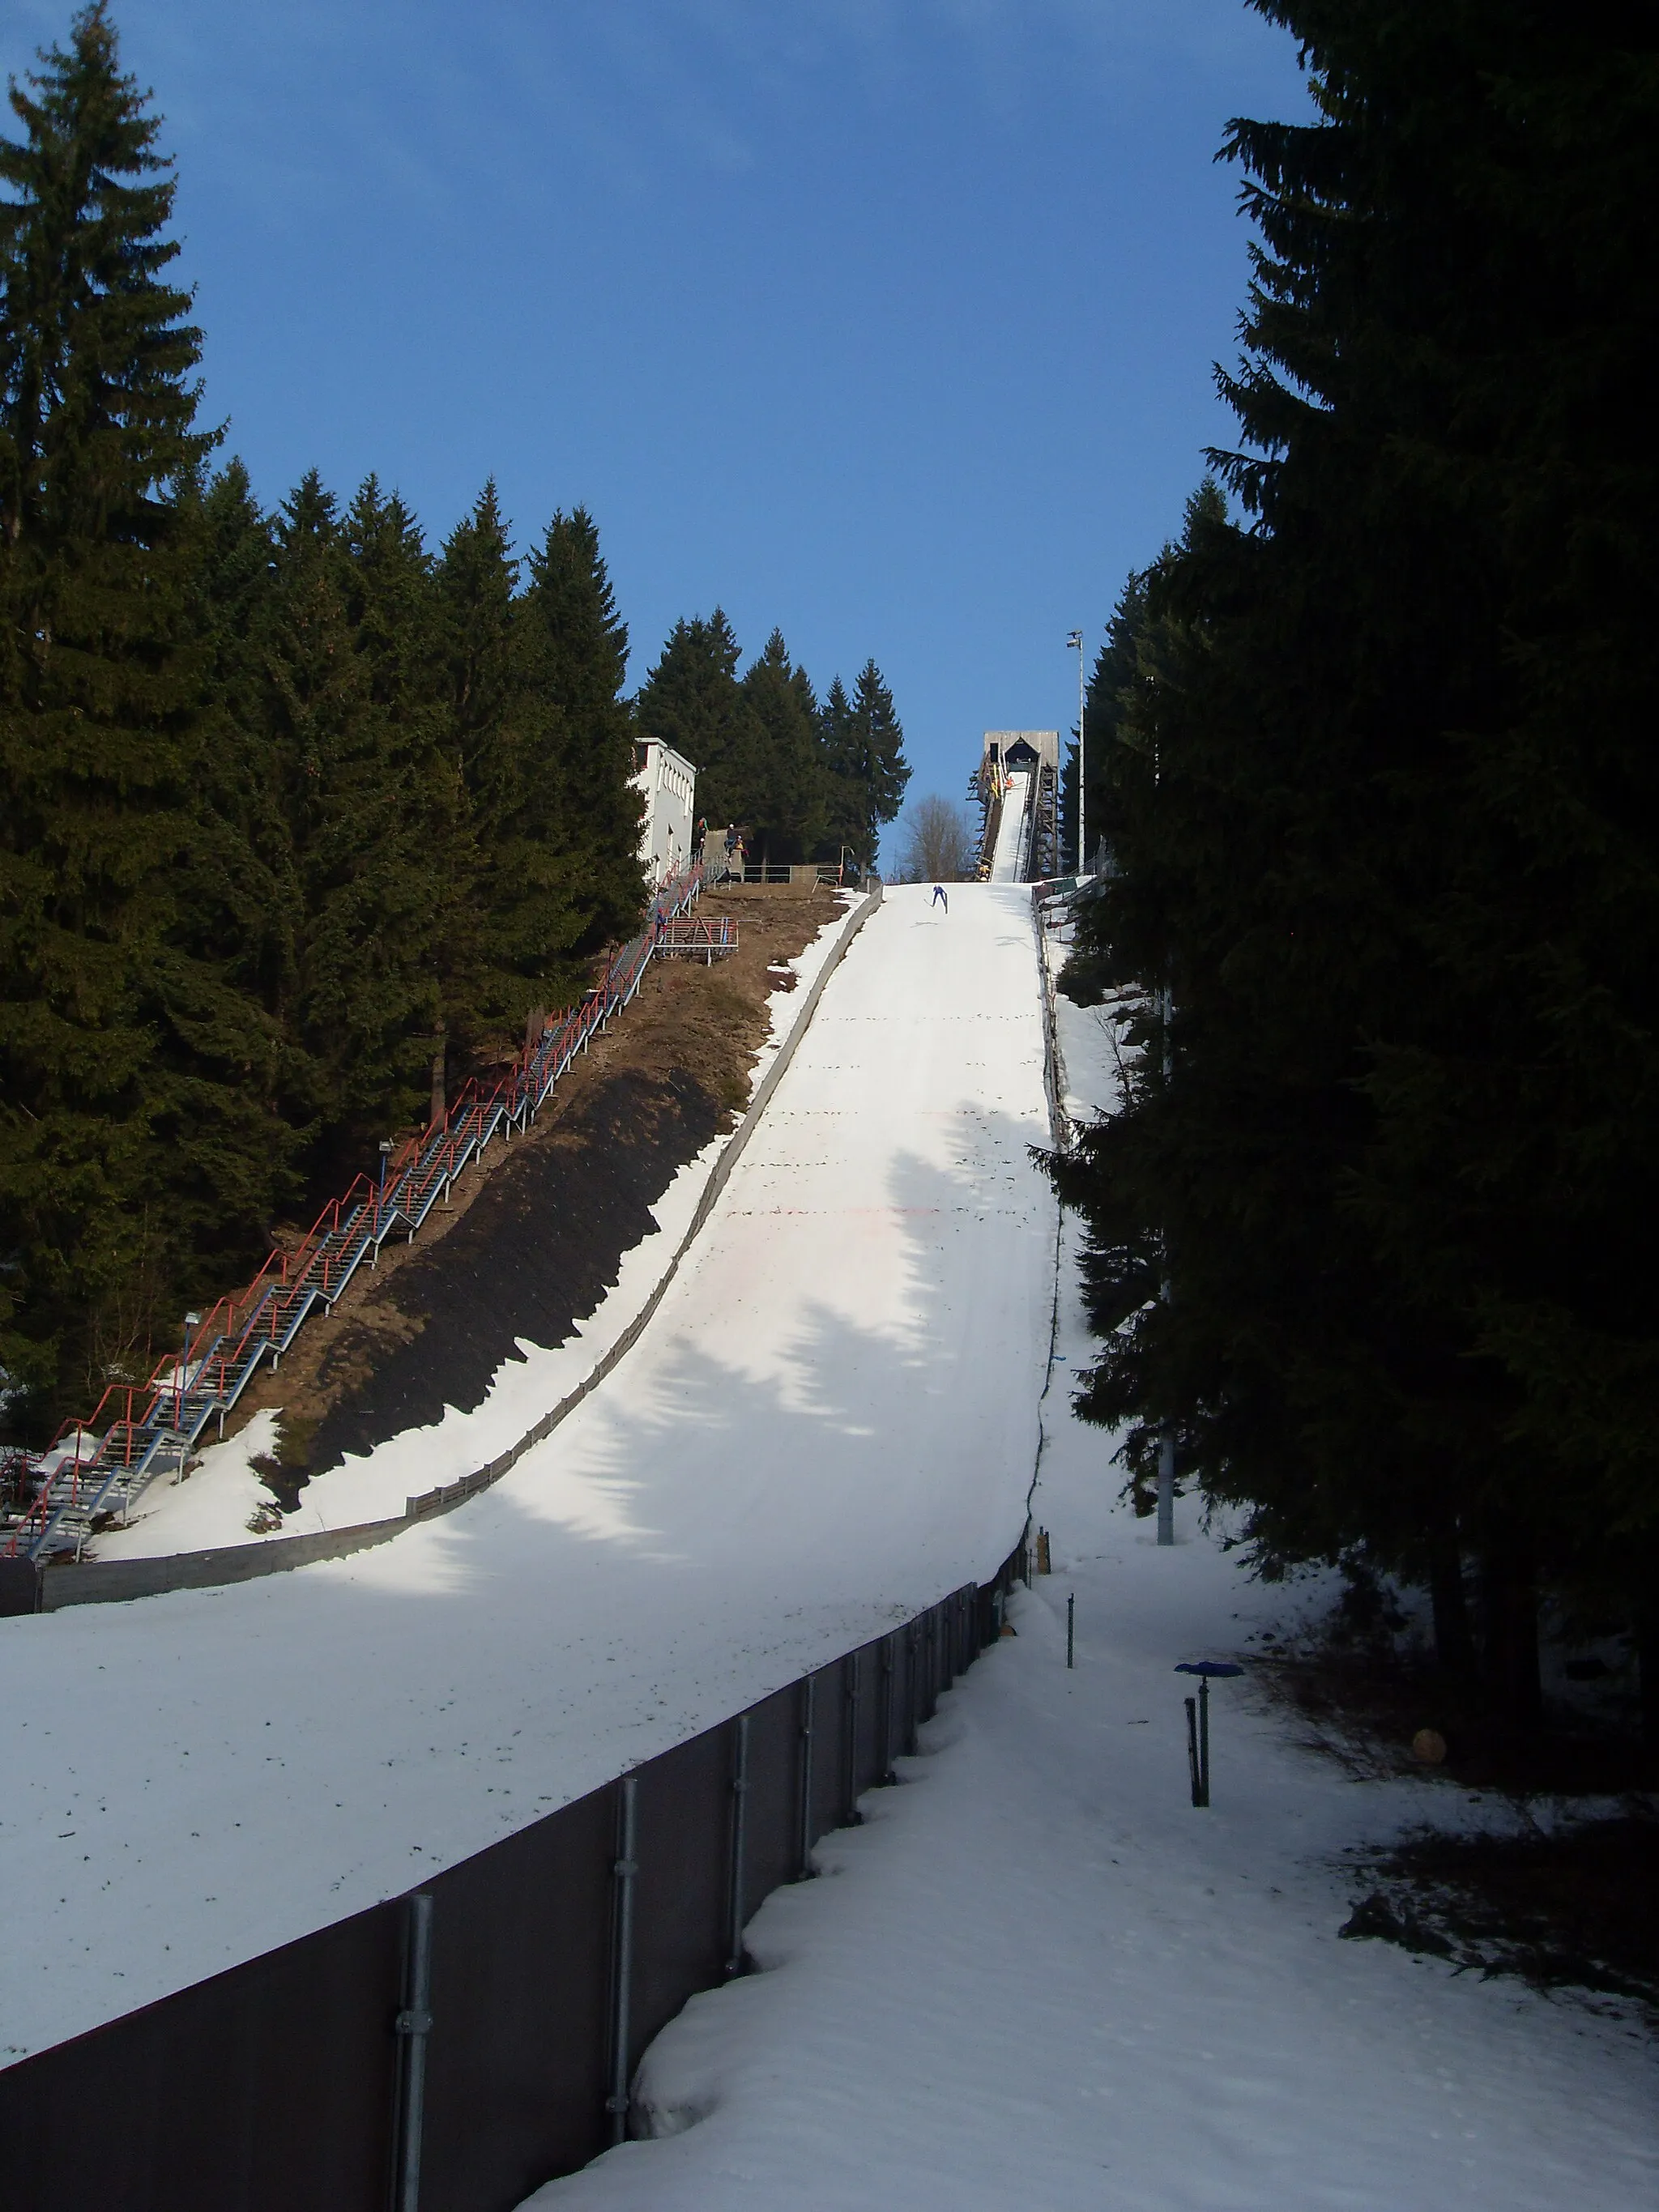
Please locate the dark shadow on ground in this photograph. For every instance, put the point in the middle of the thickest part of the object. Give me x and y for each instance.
(1573, 1909)
(535, 1254)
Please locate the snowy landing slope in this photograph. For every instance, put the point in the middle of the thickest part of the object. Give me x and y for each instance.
(830, 1421)
(1041, 1979)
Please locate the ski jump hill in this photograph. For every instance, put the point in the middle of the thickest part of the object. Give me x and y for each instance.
(829, 1421)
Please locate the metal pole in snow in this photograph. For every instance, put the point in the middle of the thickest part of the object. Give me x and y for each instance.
(414, 2025)
(1076, 639)
(740, 1823)
(1198, 1720)
(624, 1869)
(1071, 1630)
(808, 1693)
(1191, 1704)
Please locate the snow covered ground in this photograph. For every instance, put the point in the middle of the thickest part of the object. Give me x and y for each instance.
(213, 1505)
(830, 1422)
(1036, 1977)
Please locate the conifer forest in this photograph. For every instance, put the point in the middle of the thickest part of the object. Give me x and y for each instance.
(302, 819)
(1371, 751)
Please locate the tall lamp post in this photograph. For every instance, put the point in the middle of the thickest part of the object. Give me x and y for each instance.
(1075, 639)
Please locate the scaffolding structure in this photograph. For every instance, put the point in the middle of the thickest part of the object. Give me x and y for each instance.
(1018, 768)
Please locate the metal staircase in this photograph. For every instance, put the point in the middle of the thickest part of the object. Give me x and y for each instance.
(97, 1469)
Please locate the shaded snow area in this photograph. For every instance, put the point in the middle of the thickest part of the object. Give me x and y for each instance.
(214, 1505)
(830, 1423)
(1036, 1977)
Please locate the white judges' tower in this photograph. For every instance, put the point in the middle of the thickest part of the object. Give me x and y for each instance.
(668, 783)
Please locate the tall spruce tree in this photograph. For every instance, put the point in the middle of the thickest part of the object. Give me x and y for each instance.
(244, 907)
(1113, 673)
(124, 1120)
(575, 648)
(785, 809)
(863, 751)
(393, 606)
(693, 701)
(504, 741)
(367, 998)
(1390, 844)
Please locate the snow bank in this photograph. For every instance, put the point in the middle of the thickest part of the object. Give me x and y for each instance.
(829, 1423)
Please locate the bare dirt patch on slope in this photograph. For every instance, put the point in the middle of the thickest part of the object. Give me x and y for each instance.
(535, 1236)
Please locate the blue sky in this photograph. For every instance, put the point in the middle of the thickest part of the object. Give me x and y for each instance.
(888, 321)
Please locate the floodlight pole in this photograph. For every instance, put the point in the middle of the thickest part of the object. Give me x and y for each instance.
(1075, 639)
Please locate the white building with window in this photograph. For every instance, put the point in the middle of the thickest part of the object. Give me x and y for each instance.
(668, 783)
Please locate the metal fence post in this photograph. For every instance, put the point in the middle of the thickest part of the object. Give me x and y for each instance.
(624, 1869)
(854, 1668)
(912, 1644)
(739, 1808)
(809, 1690)
(888, 1670)
(413, 2025)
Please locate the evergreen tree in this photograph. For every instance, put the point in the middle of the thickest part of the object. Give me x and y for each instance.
(122, 1126)
(502, 736)
(394, 608)
(786, 808)
(1103, 710)
(692, 701)
(843, 815)
(863, 751)
(366, 997)
(1388, 835)
(575, 658)
(246, 909)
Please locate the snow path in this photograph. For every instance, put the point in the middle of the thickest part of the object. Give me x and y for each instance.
(212, 1507)
(830, 1423)
(1038, 1978)
(1010, 829)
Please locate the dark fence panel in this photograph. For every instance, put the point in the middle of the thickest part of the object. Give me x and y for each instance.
(267, 2087)
(680, 1941)
(521, 1951)
(285, 2081)
(772, 1829)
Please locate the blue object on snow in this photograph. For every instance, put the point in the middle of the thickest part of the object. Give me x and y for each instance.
(1207, 1667)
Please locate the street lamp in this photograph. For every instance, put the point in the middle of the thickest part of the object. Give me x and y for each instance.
(1075, 639)
(379, 1203)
